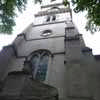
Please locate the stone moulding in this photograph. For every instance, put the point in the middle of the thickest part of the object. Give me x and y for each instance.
(25, 88)
(43, 13)
(57, 4)
(97, 57)
(86, 49)
(75, 37)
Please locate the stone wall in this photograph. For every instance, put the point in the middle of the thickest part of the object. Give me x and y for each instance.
(5, 57)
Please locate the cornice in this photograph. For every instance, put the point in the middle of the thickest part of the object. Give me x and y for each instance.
(49, 23)
(52, 5)
(62, 10)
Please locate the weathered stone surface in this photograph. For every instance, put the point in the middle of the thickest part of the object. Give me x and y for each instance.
(20, 86)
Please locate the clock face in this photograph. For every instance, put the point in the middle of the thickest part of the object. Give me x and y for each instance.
(46, 33)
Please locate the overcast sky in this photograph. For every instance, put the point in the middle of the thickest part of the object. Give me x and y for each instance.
(91, 40)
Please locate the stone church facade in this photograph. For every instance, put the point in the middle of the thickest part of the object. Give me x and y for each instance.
(56, 53)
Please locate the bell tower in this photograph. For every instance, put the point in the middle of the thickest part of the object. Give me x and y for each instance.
(66, 68)
(53, 11)
(50, 27)
(53, 30)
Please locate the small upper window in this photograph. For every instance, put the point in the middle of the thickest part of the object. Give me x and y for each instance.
(46, 33)
(48, 19)
(53, 18)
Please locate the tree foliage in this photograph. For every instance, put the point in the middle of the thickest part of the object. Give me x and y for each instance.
(93, 12)
(7, 13)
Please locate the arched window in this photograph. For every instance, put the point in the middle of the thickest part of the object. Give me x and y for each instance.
(53, 18)
(53, 9)
(39, 62)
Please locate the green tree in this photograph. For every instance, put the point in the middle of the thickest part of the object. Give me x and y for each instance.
(93, 12)
(8, 13)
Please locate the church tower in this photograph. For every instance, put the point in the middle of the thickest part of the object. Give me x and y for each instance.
(48, 37)
(55, 51)
(45, 45)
